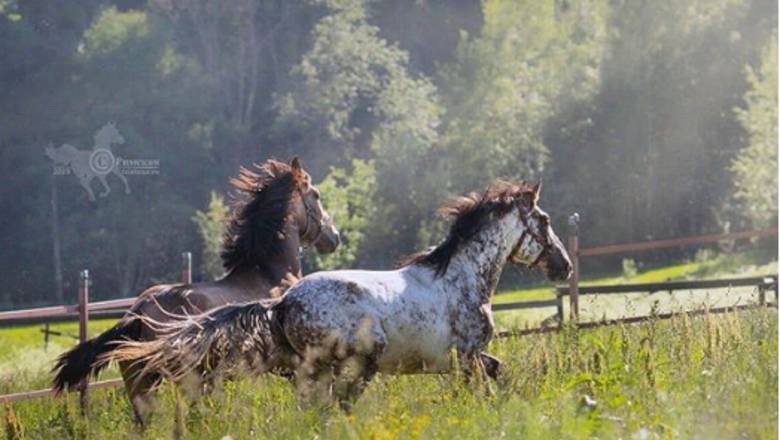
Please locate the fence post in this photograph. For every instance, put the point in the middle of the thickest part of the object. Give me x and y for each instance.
(559, 307)
(83, 323)
(763, 287)
(574, 300)
(46, 333)
(186, 267)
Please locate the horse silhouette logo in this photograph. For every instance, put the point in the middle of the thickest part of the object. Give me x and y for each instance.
(87, 165)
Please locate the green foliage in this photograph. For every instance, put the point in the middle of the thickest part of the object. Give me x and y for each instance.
(755, 167)
(638, 151)
(112, 28)
(530, 59)
(347, 63)
(211, 228)
(350, 198)
(356, 96)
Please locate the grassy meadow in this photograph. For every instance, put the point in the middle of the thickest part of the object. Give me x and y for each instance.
(711, 376)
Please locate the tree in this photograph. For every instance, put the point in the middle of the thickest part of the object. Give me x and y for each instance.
(355, 97)
(755, 167)
(530, 59)
(649, 155)
(211, 228)
(349, 197)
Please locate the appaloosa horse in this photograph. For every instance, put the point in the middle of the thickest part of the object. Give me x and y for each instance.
(336, 329)
(278, 212)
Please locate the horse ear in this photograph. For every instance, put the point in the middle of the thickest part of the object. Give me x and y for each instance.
(533, 195)
(298, 173)
(536, 189)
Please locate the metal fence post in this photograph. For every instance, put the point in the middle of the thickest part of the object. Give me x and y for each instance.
(769, 283)
(574, 300)
(186, 267)
(83, 323)
(46, 333)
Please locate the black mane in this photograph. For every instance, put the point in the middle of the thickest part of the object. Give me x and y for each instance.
(255, 229)
(471, 213)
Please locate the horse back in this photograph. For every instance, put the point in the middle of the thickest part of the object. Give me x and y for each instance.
(164, 302)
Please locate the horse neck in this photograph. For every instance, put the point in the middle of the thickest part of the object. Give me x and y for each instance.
(288, 260)
(271, 271)
(476, 268)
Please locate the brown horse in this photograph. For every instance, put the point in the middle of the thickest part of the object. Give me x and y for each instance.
(278, 212)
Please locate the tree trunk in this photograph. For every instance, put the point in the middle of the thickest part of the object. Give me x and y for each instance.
(55, 239)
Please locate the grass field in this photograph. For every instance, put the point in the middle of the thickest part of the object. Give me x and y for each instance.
(713, 376)
(707, 377)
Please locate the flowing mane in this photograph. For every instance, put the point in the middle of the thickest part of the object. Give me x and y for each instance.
(469, 214)
(255, 229)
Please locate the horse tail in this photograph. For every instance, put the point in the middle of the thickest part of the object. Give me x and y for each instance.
(222, 339)
(74, 367)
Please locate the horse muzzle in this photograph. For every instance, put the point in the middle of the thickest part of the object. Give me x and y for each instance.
(328, 241)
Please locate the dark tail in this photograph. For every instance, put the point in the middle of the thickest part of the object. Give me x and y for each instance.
(75, 366)
(223, 339)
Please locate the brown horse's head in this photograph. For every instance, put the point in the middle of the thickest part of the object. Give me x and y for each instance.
(538, 246)
(274, 201)
(315, 226)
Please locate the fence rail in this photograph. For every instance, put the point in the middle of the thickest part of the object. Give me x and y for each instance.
(58, 313)
(762, 283)
(26, 395)
(633, 319)
(527, 305)
(674, 242)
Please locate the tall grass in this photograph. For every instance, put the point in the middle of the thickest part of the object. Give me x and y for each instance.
(713, 376)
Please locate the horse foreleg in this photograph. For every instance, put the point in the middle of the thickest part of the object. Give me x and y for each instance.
(493, 366)
(474, 372)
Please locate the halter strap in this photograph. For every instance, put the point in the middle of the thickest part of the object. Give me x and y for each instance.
(539, 239)
(309, 217)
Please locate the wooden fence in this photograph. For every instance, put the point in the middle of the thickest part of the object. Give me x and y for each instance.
(575, 253)
(84, 309)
